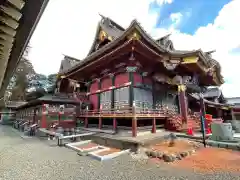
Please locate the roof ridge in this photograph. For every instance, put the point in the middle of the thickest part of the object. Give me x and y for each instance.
(112, 21)
(73, 58)
(164, 37)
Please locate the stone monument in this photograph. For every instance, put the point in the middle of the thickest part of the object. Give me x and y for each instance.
(222, 132)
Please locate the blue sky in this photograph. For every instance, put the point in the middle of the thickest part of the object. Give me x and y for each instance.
(195, 13)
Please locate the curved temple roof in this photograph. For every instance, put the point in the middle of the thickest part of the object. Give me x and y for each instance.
(115, 34)
(18, 21)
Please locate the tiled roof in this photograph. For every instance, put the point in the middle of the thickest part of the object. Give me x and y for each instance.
(212, 93)
(233, 100)
(163, 45)
(67, 63)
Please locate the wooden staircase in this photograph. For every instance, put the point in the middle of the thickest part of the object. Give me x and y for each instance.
(175, 123)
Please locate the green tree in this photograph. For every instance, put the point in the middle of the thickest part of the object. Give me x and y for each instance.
(52, 78)
(24, 73)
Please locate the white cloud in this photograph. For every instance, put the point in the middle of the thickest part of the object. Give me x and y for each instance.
(176, 19)
(161, 2)
(69, 28)
(223, 36)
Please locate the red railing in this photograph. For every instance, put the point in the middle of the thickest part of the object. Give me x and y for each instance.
(127, 112)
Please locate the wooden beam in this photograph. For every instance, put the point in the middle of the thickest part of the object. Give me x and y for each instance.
(11, 12)
(9, 22)
(17, 3)
(8, 30)
(6, 44)
(6, 37)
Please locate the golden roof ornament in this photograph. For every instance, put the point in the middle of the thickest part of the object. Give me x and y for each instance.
(102, 35)
(134, 36)
(181, 88)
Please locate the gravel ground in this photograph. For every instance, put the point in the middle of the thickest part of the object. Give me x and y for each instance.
(31, 159)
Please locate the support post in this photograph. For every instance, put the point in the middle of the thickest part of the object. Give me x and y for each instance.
(99, 94)
(154, 95)
(134, 126)
(34, 115)
(59, 118)
(86, 119)
(114, 124)
(131, 94)
(154, 125)
(183, 102)
(232, 114)
(203, 113)
(112, 76)
(88, 88)
(86, 122)
(44, 117)
(100, 122)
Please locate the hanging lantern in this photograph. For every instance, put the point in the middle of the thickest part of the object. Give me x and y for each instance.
(132, 58)
(77, 85)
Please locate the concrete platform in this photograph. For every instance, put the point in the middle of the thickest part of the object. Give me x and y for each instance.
(95, 155)
(122, 141)
(77, 146)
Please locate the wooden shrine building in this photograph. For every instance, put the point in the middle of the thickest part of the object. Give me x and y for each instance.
(132, 80)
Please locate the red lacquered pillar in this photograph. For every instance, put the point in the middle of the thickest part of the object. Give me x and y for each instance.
(44, 117)
(154, 125)
(134, 127)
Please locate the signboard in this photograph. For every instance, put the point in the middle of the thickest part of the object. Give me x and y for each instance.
(188, 60)
(61, 109)
(131, 68)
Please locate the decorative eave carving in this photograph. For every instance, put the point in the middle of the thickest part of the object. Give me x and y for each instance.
(138, 64)
(98, 79)
(93, 76)
(165, 58)
(111, 75)
(105, 71)
(120, 65)
(134, 36)
(102, 37)
(87, 84)
(144, 74)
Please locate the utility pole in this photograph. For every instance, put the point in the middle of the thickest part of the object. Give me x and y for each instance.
(202, 118)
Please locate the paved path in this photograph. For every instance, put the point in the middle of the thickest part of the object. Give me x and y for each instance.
(34, 159)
